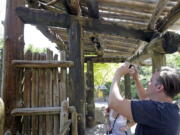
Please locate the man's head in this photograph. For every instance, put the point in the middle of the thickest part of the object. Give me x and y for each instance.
(165, 81)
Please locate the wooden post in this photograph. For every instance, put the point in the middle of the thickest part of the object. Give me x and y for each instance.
(63, 114)
(56, 97)
(42, 97)
(158, 60)
(49, 92)
(63, 79)
(35, 96)
(90, 116)
(77, 91)
(74, 121)
(13, 49)
(127, 84)
(27, 88)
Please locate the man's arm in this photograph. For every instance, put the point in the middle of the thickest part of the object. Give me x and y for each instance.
(140, 89)
(116, 102)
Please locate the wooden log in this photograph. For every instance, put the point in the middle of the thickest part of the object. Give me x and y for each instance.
(66, 127)
(35, 111)
(123, 16)
(90, 115)
(48, 93)
(74, 121)
(72, 6)
(38, 111)
(56, 97)
(63, 79)
(104, 60)
(35, 96)
(64, 115)
(77, 92)
(127, 12)
(167, 43)
(111, 53)
(50, 8)
(64, 20)
(52, 2)
(161, 4)
(170, 19)
(42, 97)
(13, 48)
(41, 64)
(51, 35)
(27, 94)
(130, 4)
(120, 48)
(93, 8)
(158, 60)
(127, 86)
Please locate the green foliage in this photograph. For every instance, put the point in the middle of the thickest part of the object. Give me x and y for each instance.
(1, 43)
(32, 48)
(103, 73)
(173, 59)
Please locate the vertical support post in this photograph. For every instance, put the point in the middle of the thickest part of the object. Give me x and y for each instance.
(13, 49)
(76, 74)
(63, 79)
(90, 116)
(158, 60)
(127, 84)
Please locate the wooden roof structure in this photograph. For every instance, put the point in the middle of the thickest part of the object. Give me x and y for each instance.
(114, 30)
(89, 31)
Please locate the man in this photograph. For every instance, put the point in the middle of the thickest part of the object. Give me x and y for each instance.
(156, 116)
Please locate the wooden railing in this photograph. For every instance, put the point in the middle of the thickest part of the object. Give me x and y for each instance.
(63, 111)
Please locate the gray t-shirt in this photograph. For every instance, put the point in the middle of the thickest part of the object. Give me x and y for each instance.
(155, 118)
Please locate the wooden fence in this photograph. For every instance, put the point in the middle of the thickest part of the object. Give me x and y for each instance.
(43, 89)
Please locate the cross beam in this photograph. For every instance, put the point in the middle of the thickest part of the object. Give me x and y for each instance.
(42, 17)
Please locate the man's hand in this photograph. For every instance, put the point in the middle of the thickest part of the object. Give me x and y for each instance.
(134, 72)
(123, 69)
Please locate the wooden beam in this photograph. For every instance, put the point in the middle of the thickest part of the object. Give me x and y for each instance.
(127, 12)
(161, 4)
(90, 115)
(52, 36)
(13, 49)
(127, 86)
(39, 17)
(41, 64)
(130, 5)
(170, 19)
(104, 59)
(167, 43)
(93, 8)
(72, 6)
(38, 111)
(158, 60)
(123, 16)
(76, 74)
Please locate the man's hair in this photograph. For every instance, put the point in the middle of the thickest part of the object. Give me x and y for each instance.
(170, 79)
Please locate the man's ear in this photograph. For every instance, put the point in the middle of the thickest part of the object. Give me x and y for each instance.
(160, 88)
